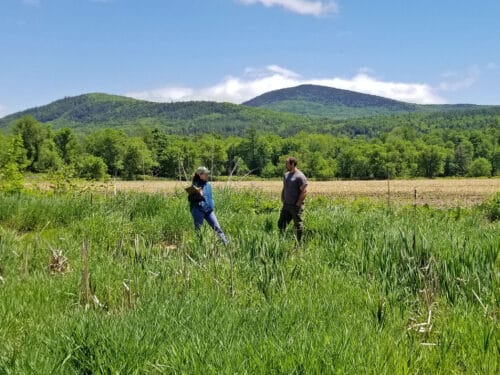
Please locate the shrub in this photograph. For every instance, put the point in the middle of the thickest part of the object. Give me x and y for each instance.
(91, 168)
(11, 180)
(492, 207)
(480, 167)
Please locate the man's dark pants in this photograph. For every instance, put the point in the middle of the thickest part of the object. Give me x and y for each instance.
(288, 213)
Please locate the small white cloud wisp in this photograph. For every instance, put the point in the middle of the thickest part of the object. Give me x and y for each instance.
(305, 7)
(3, 111)
(255, 82)
(455, 82)
(491, 65)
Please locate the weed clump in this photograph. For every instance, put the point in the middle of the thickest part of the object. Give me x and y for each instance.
(492, 207)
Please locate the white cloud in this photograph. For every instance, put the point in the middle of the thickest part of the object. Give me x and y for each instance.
(255, 82)
(305, 7)
(491, 65)
(3, 111)
(420, 93)
(453, 81)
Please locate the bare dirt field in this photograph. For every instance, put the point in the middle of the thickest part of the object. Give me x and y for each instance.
(438, 192)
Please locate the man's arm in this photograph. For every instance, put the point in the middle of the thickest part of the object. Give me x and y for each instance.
(302, 196)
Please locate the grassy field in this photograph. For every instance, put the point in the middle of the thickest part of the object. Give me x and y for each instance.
(119, 283)
(439, 192)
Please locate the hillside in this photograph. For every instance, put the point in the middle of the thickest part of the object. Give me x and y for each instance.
(328, 102)
(321, 101)
(86, 112)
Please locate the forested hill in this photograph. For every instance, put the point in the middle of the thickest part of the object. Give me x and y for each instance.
(89, 112)
(321, 101)
(99, 134)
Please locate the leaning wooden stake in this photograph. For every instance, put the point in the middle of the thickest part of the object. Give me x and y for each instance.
(231, 265)
(183, 253)
(136, 249)
(127, 291)
(215, 256)
(415, 221)
(388, 189)
(85, 273)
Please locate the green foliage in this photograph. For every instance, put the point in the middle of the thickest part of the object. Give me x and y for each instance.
(492, 207)
(12, 151)
(37, 141)
(91, 167)
(352, 163)
(328, 102)
(32, 136)
(48, 158)
(12, 161)
(164, 300)
(255, 151)
(110, 145)
(90, 112)
(178, 137)
(480, 167)
(137, 159)
(11, 179)
(495, 161)
(464, 152)
(431, 161)
(61, 180)
(67, 145)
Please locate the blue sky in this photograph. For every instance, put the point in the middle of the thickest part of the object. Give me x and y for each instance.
(439, 51)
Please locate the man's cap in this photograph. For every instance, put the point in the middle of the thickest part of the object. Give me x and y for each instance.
(202, 170)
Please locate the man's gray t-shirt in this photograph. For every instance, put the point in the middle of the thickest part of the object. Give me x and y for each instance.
(293, 183)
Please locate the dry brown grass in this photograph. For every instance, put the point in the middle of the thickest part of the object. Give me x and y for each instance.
(439, 192)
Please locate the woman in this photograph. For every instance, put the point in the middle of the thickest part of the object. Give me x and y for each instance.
(202, 203)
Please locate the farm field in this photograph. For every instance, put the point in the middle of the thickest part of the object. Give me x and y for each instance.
(439, 192)
(119, 283)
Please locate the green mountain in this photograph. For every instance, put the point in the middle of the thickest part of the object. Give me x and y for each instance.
(87, 112)
(321, 101)
(345, 113)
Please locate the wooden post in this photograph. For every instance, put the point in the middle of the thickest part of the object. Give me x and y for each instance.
(415, 221)
(231, 265)
(85, 273)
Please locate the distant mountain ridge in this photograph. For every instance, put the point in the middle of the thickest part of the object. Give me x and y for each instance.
(284, 112)
(96, 110)
(98, 107)
(322, 101)
(328, 96)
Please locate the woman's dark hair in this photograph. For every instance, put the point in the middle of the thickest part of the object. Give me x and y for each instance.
(197, 180)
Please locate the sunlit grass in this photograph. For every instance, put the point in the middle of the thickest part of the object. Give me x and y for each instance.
(372, 289)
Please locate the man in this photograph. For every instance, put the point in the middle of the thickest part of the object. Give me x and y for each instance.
(293, 196)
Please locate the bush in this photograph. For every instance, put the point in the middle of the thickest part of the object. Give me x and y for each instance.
(480, 167)
(492, 207)
(11, 180)
(91, 168)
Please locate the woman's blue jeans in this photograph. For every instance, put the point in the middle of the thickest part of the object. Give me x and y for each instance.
(199, 216)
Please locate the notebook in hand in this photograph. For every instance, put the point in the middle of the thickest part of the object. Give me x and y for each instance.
(192, 189)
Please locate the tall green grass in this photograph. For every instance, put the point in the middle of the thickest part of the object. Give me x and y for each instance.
(355, 297)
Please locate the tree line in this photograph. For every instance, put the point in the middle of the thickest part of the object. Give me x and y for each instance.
(401, 152)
